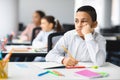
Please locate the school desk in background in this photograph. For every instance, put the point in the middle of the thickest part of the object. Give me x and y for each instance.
(25, 51)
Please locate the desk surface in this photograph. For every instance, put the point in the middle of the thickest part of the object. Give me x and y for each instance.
(29, 53)
(19, 42)
(29, 71)
(24, 49)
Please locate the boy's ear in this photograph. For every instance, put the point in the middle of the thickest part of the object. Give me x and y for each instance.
(94, 25)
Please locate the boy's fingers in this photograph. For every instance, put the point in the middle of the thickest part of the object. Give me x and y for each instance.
(70, 61)
(84, 24)
(74, 60)
(71, 64)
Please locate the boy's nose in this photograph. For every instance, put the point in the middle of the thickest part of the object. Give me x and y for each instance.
(80, 25)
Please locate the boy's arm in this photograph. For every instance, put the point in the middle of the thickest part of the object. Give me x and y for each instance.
(96, 49)
(57, 53)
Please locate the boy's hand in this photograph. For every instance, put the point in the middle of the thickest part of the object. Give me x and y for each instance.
(69, 61)
(86, 29)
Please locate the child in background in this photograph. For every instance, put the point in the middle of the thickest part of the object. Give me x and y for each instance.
(26, 35)
(84, 44)
(48, 25)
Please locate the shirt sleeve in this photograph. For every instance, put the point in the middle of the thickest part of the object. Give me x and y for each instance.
(57, 53)
(37, 42)
(96, 48)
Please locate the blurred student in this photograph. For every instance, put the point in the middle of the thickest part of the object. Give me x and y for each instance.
(84, 44)
(26, 35)
(48, 25)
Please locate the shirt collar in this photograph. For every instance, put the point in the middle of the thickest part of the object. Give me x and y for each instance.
(75, 33)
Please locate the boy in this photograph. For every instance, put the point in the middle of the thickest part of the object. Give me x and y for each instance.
(83, 43)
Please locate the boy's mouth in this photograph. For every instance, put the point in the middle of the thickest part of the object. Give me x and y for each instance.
(78, 29)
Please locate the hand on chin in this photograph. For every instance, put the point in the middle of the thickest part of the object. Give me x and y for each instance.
(79, 32)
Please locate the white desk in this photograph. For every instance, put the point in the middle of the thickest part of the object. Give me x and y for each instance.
(29, 53)
(19, 42)
(29, 72)
(113, 38)
(24, 49)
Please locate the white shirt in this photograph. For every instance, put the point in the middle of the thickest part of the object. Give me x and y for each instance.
(93, 48)
(41, 40)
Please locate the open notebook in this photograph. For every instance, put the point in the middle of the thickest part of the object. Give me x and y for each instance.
(48, 65)
(52, 65)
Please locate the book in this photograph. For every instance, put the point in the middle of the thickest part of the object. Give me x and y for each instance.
(88, 73)
(51, 65)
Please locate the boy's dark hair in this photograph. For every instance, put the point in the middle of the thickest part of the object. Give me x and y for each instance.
(90, 10)
(56, 24)
(41, 13)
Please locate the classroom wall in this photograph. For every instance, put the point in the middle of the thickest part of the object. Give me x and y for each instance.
(116, 12)
(8, 16)
(61, 9)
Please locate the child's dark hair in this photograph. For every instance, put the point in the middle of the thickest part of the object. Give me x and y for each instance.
(41, 13)
(56, 24)
(90, 10)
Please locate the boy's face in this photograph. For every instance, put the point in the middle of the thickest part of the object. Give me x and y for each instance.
(84, 21)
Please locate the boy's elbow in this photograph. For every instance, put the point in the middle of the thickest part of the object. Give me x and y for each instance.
(99, 63)
(100, 60)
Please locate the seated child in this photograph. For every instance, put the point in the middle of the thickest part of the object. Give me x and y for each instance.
(84, 44)
(48, 25)
(26, 35)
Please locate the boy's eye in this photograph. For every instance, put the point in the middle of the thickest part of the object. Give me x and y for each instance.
(76, 20)
(84, 21)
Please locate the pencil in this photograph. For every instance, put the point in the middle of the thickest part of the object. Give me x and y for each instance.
(41, 74)
(58, 73)
(65, 49)
(53, 73)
